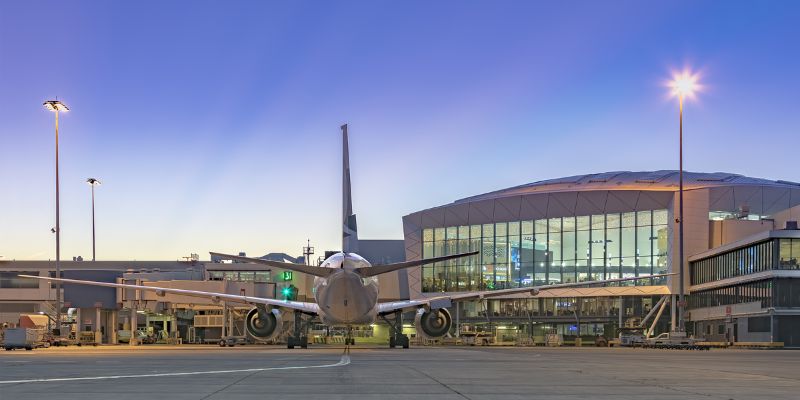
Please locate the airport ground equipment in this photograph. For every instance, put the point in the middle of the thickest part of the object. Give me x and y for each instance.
(554, 339)
(630, 337)
(86, 338)
(19, 338)
(675, 340)
(231, 341)
(476, 338)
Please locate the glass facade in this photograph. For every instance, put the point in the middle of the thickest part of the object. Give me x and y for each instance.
(547, 251)
(789, 254)
(240, 276)
(740, 293)
(546, 307)
(743, 261)
(754, 258)
(569, 316)
(777, 292)
(772, 254)
(10, 280)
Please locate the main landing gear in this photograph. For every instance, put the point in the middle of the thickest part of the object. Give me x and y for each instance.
(396, 336)
(298, 337)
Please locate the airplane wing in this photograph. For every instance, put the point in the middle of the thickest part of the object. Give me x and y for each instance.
(366, 272)
(310, 308)
(306, 269)
(446, 300)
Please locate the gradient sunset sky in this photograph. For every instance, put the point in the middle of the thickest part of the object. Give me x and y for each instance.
(214, 126)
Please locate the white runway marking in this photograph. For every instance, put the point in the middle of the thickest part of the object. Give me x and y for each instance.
(345, 360)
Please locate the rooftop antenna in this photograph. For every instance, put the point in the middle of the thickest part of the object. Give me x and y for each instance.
(307, 252)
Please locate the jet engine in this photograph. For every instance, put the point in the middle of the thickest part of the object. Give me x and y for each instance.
(265, 325)
(433, 324)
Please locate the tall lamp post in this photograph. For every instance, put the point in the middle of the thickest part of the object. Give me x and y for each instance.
(57, 106)
(683, 85)
(93, 182)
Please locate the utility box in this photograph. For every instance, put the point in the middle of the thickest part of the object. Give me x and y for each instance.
(19, 338)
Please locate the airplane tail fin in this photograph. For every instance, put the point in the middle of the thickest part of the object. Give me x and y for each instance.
(349, 226)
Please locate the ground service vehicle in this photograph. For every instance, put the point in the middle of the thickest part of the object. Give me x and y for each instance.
(674, 340)
(19, 338)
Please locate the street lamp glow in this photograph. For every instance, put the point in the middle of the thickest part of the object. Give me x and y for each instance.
(684, 84)
(56, 106)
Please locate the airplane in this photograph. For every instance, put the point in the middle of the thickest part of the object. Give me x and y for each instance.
(346, 290)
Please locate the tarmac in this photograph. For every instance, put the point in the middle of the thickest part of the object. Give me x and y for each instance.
(272, 372)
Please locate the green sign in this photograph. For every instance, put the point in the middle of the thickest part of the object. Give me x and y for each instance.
(286, 275)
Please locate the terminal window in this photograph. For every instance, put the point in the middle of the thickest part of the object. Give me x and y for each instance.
(548, 250)
(10, 280)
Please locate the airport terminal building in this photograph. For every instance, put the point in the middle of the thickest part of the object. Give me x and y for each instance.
(742, 276)
(612, 225)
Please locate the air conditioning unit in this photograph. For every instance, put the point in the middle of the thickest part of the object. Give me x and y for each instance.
(791, 225)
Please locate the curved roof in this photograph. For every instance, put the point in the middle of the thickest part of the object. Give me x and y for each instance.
(663, 180)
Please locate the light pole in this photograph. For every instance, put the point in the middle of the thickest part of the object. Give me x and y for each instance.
(56, 106)
(683, 85)
(93, 182)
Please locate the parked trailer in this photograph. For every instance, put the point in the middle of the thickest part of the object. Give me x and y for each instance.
(19, 338)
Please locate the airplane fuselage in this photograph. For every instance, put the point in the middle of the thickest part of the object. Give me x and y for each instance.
(344, 297)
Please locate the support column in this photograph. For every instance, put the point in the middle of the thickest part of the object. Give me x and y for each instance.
(98, 336)
(672, 313)
(231, 326)
(134, 324)
(620, 310)
(458, 320)
(224, 332)
(173, 326)
(78, 322)
(112, 334)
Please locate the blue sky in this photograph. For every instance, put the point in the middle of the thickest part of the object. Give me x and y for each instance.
(215, 125)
